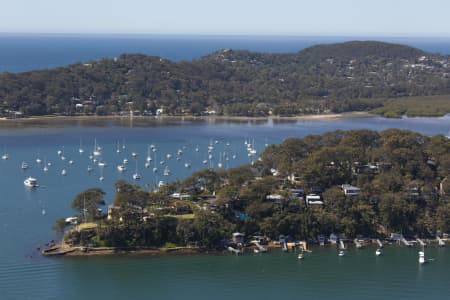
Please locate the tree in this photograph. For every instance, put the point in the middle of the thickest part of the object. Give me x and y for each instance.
(88, 202)
(59, 226)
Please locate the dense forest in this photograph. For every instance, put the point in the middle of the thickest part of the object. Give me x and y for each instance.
(399, 179)
(351, 76)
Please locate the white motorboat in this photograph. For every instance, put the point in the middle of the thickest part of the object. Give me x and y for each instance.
(30, 182)
(378, 252)
(63, 172)
(121, 168)
(341, 253)
(421, 257)
(24, 165)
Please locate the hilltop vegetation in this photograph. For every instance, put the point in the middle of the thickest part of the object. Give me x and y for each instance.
(342, 77)
(402, 177)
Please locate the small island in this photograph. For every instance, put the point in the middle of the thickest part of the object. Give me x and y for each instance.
(346, 184)
(388, 79)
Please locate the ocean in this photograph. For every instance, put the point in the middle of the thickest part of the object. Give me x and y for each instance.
(24, 52)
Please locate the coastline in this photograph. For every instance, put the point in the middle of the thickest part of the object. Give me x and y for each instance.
(51, 118)
(62, 249)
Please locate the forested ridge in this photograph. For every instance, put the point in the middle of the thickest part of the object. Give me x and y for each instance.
(351, 76)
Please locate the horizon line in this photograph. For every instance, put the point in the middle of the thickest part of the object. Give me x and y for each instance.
(274, 35)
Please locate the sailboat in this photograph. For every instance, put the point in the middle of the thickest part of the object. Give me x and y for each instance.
(45, 165)
(38, 159)
(80, 150)
(422, 256)
(5, 155)
(149, 158)
(97, 149)
(118, 147)
(219, 164)
(101, 178)
(166, 171)
(136, 175)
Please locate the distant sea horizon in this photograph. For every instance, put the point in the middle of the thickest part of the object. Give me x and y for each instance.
(20, 52)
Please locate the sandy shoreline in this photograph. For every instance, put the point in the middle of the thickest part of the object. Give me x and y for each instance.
(48, 119)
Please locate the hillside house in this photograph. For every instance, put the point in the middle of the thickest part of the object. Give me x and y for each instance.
(350, 190)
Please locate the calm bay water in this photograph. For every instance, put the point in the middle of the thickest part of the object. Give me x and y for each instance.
(26, 218)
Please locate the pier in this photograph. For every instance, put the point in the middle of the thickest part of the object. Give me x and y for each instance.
(421, 242)
(405, 242)
(357, 243)
(234, 250)
(380, 244)
(260, 247)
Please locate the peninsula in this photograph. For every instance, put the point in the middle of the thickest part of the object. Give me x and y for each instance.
(388, 79)
(342, 183)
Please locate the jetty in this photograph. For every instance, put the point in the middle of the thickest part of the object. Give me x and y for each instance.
(234, 250)
(358, 244)
(260, 247)
(405, 242)
(421, 242)
(380, 244)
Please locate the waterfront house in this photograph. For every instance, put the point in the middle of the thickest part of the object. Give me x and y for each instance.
(238, 238)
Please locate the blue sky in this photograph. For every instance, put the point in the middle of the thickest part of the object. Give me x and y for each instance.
(259, 17)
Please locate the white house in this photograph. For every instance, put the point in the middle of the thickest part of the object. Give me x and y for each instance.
(313, 199)
(350, 190)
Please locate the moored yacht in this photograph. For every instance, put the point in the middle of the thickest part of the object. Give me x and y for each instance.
(30, 182)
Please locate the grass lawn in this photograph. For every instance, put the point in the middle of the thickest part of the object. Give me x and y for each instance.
(186, 216)
(88, 225)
